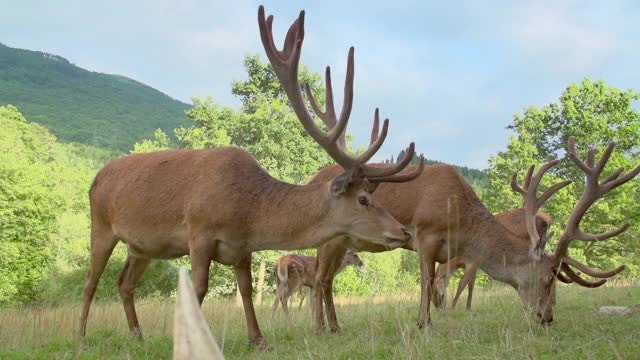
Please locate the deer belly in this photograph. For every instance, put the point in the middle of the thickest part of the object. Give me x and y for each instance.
(165, 245)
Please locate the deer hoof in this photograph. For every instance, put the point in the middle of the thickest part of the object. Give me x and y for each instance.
(421, 324)
(260, 344)
(136, 333)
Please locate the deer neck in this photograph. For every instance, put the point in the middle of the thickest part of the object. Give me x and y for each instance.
(291, 217)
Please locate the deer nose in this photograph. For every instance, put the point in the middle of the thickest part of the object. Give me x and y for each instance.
(407, 234)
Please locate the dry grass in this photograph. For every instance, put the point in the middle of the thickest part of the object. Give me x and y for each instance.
(379, 327)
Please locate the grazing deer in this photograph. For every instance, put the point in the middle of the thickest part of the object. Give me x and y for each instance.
(295, 271)
(450, 221)
(514, 221)
(220, 205)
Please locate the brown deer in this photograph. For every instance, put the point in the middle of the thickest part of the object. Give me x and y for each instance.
(296, 271)
(220, 205)
(450, 221)
(514, 221)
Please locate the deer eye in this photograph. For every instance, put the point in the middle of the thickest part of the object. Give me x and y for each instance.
(363, 200)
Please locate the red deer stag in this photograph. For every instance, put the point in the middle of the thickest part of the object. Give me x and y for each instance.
(295, 271)
(450, 220)
(220, 205)
(514, 221)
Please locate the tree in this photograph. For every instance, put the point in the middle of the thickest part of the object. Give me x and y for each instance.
(262, 82)
(160, 142)
(596, 115)
(265, 126)
(28, 205)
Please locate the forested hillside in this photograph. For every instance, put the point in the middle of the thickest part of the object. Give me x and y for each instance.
(82, 106)
(475, 177)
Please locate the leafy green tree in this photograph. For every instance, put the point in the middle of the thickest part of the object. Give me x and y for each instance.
(159, 142)
(262, 82)
(28, 205)
(596, 115)
(265, 126)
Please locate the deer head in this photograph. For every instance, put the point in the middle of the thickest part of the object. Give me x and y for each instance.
(352, 206)
(536, 280)
(351, 258)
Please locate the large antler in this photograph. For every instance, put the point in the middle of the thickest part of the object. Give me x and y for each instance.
(592, 192)
(533, 203)
(285, 64)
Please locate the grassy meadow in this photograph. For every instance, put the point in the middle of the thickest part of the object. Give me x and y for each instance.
(372, 328)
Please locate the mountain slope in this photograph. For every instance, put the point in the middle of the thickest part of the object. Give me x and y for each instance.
(78, 105)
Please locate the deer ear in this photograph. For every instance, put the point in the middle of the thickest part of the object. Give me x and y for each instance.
(342, 182)
(370, 187)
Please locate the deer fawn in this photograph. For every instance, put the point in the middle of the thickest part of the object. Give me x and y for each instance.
(296, 271)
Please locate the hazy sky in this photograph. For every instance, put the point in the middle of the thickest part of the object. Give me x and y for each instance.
(449, 75)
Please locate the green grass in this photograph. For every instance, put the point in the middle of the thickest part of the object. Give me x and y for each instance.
(372, 328)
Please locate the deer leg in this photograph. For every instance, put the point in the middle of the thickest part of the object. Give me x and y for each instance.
(328, 263)
(243, 276)
(200, 263)
(440, 286)
(285, 299)
(318, 303)
(280, 290)
(131, 274)
(427, 275)
(472, 281)
(461, 285)
(311, 302)
(332, 318)
(102, 244)
(302, 295)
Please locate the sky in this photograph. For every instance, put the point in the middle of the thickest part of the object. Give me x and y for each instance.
(448, 75)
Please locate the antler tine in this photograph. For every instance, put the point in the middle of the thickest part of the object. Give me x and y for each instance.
(347, 101)
(591, 156)
(328, 116)
(515, 186)
(614, 180)
(527, 178)
(551, 191)
(401, 177)
(590, 271)
(614, 175)
(374, 145)
(336, 131)
(592, 192)
(578, 280)
(533, 203)
(373, 172)
(376, 126)
(560, 276)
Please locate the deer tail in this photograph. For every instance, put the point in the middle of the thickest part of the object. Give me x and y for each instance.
(282, 273)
